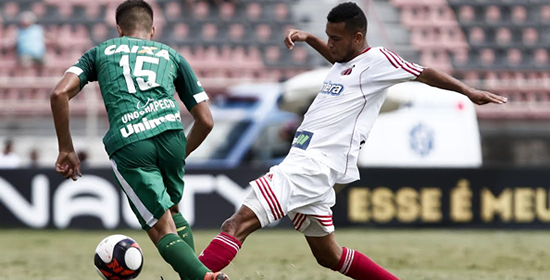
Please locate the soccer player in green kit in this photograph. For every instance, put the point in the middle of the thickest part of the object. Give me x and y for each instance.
(145, 141)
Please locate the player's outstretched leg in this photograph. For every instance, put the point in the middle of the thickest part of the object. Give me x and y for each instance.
(178, 253)
(347, 261)
(225, 246)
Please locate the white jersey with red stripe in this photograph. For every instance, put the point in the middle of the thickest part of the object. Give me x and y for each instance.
(340, 118)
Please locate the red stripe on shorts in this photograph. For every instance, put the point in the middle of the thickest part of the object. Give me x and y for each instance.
(295, 218)
(278, 205)
(304, 217)
(266, 198)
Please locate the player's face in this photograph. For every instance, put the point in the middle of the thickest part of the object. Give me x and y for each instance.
(342, 43)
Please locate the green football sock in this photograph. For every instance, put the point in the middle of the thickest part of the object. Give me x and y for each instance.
(180, 256)
(184, 230)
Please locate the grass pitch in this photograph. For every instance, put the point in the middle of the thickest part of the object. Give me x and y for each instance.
(283, 254)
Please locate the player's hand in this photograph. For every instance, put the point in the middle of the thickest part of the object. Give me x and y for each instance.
(481, 97)
(68, 165)
(295, 35)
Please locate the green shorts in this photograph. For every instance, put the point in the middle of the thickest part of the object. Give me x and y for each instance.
(150, 172)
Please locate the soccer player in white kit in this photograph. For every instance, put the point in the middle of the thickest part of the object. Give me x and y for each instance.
(326, 145)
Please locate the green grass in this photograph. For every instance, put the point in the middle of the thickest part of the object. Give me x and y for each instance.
(282, 254)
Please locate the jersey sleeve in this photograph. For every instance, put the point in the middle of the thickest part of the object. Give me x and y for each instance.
(85, 68)
(392, 69)
(188, 86)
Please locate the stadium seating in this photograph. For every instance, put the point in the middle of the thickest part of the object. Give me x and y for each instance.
(224, 41)
(500, 46)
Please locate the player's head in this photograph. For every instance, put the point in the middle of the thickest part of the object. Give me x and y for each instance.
(346, 30)
(135, 17)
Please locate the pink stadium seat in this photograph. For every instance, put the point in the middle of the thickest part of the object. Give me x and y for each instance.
(472, 78)
(545, 13)
(198, 53)
(263, 32)
(227, 11)
(109, 18)
(540, 57)
(92, 10)
(519, 14)
(466, 13)
(39, 9)
(411, 15)
(491, 80)
(421, 37)
(211, 58)
(209, 31)
(8, 61)
(503, 36)
(443, 15)
(513, 57)
(172, 10)
(236, 32)
(185, 51)
(452, 38)
(530, 36)
(65, 10)
(487, 57)
(254, 11)
(299, 55)
(8, 35)
(180, 32)
(11, 10)
(281, 11)
(201, 10)
(239, 55)
(273, 54)
(477, 35)
(492, 14)
(273, 75)
(99, 32)
(460, 56)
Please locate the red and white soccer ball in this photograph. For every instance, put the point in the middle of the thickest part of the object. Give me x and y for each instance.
(118, 257)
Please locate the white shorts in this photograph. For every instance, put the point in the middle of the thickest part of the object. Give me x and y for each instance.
(299, 187)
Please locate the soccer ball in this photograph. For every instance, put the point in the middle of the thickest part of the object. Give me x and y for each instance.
(118, 257)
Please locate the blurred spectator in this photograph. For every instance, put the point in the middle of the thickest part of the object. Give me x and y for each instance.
(34, 156)
(30, 41)
(9, 159)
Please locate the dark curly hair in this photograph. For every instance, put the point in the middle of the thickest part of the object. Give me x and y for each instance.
(349, 13)
(134, 14)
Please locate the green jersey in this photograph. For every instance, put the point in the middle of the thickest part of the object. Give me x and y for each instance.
(137, 79)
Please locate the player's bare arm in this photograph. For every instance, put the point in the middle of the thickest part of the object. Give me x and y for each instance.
(441, 80)
(201, 128)
(67, 163)
(295, 35)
